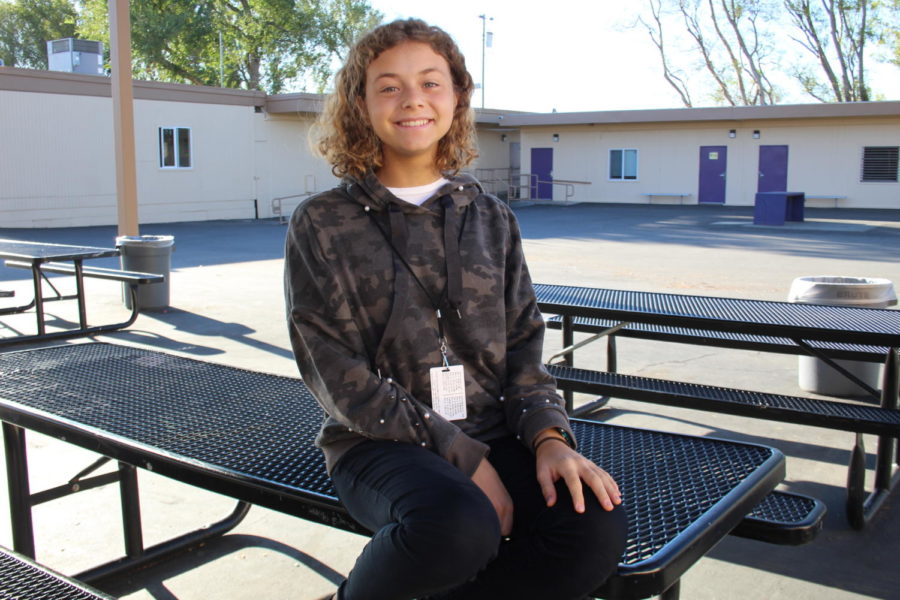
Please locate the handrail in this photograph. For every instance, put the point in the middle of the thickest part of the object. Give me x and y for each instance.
(518, 187)
(277, 204)
(493, 178)
(534, 182)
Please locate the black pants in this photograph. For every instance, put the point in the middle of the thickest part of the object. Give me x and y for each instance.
(438, 536)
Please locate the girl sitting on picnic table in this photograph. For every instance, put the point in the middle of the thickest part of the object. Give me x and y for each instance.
(413, 321)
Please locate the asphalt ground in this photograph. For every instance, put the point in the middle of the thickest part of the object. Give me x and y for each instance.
(226, 306)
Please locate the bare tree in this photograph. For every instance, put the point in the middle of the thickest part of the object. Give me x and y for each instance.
(835, 32)
(743, 17)
(728, 38)
(673, 76)
(733, 43)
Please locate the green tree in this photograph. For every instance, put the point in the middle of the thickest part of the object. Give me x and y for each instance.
(27, 25)
(269, 45)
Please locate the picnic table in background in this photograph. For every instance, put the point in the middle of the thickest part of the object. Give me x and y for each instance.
(43, 258)
(824, 331)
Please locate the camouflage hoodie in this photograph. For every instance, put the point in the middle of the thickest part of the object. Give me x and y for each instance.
(365, 335)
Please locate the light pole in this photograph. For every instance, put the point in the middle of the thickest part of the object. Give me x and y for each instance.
(485, 43)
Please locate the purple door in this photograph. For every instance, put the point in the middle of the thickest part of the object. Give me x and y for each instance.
(773, 166)
(713, 166)
(542, 167)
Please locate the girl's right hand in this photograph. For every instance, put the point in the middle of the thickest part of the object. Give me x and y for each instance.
(486, 478)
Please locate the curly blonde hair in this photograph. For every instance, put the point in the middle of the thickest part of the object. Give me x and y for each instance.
(343, 134)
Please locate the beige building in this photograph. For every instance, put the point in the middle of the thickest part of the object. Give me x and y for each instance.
(210, 153)
(843, 155)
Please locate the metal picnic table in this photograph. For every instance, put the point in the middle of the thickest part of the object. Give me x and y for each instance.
(45, 257)
(250, 435)
(823, 331)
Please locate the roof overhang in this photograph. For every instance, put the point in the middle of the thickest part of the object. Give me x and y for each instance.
(718, 113)
(56, 82)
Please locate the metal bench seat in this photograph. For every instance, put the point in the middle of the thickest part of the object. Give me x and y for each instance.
(721, 339)
(24, 579)
(783, 518)
(775, 407)
(91, 271)
(130, 280)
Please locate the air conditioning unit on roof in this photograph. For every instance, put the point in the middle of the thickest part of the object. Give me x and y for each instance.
(75, 56)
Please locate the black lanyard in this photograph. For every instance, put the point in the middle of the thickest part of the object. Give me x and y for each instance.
(453, 290)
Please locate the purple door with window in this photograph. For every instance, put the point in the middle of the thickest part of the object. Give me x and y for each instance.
(773, 167)
(542, 167)
(713, 166)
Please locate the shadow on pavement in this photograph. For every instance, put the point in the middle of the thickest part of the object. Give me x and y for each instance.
(199, 325)
(152, 578)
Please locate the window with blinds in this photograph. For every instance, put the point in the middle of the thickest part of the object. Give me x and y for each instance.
(880, 163)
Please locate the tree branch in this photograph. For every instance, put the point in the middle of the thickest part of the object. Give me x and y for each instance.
(656, 35)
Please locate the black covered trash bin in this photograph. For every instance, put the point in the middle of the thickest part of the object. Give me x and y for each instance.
(147, 254)
(867, 292)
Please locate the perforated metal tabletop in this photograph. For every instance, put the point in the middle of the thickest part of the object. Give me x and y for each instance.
(22, 579)
(19, 249)
(847, 324)
(250, 435)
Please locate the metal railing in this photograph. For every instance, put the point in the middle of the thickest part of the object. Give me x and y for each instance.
(494, 180)
(526, 186)
(278, 208)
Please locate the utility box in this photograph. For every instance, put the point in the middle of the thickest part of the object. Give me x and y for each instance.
(75, 56)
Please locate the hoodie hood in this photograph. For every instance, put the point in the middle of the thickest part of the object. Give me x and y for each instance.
(370, 192)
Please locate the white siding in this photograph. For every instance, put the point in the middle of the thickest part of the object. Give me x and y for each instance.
(219, 184)
(824, 158)
(56, 160)
(57, 167)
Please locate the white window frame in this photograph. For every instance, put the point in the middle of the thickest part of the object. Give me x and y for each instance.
(622, 176)
(176, 148)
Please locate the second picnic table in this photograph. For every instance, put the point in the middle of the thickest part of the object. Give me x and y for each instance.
(826, 332)
(42, 258)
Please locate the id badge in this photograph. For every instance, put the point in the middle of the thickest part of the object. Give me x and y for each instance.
(448, 392)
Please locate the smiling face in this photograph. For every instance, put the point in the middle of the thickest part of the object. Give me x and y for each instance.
(410, 101)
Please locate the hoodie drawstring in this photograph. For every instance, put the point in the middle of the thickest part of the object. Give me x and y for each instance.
(451, 255)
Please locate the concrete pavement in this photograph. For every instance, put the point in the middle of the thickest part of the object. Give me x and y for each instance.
(227, 307)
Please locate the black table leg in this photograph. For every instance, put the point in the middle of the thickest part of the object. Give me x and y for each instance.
(79, 287)
(19, 491)
(673, 592)
(38, 297)
(131, 511)
(568, 338)
(861, 509)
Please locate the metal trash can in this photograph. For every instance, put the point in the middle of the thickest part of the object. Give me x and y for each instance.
(815, 375)
(147, 254)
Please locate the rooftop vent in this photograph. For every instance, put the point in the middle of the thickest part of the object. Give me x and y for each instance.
(75, 56)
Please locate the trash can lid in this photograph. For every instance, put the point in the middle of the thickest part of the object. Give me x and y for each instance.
(835, 289)
(151, 241)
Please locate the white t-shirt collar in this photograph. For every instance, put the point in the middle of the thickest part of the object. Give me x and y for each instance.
(420, 193)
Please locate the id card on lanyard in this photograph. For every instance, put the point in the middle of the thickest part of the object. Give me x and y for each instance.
(448, 392)
(448, 382)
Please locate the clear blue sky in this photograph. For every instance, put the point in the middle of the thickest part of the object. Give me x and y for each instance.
(571, 55)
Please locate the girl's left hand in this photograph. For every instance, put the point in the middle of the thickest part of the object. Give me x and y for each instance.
(557, 460)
